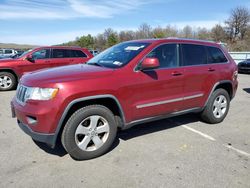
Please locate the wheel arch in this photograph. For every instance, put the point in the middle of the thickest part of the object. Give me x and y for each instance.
(108, 101)
(225, 84)
(10, 71)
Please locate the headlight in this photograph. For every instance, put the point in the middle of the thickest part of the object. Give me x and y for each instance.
(43, 94)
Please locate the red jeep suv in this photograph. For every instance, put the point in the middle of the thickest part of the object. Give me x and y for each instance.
(11, 70)
(130, 83)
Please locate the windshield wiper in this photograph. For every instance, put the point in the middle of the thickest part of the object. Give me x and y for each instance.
(95, 64)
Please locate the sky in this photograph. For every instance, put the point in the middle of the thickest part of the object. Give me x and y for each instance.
(49, 22)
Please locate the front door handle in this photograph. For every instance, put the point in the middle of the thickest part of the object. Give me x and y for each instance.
(211, 69)
(176, 73)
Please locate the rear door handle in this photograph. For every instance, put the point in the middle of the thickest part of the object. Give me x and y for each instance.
(211, 69)
(176, 73)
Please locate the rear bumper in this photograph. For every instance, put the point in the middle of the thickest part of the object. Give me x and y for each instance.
(48, 139)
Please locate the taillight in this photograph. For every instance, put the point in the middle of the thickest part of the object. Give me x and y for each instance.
(235, 75)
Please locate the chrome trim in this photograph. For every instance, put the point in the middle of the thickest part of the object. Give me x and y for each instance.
(168, 101)
(193, 96)
(160, 117)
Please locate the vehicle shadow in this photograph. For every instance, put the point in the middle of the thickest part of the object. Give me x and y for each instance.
(157, 126)
(58, 150)
(247, 90)
(136, 131)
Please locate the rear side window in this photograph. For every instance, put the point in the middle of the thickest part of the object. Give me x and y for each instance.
(215, 55)
(60, 53)
(77, 53)
(193, 54)
(166, 54)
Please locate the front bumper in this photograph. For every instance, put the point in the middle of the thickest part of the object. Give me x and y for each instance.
(48, 139)
(244, 69)
(38, 120)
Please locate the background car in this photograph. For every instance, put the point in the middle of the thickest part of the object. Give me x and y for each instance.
(244, 66)
(6, 53)
(11, 70)
(94, 52)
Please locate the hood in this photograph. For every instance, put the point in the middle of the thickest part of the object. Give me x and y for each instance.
(8, 60)
(65, 74)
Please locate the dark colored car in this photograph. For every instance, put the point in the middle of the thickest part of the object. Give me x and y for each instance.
(130, 83)
(244, 66)
(11, 70)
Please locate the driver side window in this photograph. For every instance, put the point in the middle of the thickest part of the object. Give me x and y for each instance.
(167, 55)
(41, 54)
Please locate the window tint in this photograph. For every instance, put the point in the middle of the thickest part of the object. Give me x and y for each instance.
(166, 54)
(8, 52)
(1, 51)
(60, 53)
(193, 54)
(215, 55)
(41, 54)
(77, 53)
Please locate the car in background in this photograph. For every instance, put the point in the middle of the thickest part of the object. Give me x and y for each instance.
(94, 52)
(7, 53)
(11, 70)
(19, 53)
(244, 66)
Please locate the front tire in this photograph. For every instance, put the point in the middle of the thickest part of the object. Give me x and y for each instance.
(7, 81)
(217, 107)
(89, 132)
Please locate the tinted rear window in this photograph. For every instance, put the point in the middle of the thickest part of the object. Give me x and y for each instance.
(60, 53)
(215, 55)
(77, 53)
(193, 54)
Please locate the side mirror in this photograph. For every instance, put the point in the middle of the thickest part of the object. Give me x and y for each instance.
(30, 58)
(150, 63)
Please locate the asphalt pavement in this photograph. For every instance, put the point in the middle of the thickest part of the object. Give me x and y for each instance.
(176, 152)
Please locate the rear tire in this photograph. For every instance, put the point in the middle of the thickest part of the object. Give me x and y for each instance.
(7, 81)
(89, 132)
(217, 107)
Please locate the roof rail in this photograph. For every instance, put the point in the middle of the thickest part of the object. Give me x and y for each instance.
(193, 39)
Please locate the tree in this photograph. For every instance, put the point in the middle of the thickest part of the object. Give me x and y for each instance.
(218, 33)
(159, 32)
(187, 32)
(112, 39)
(171, 31)
(238, 23)
(126, 36)
(144, 32)
(100, 42)
(85, 41)
(203, 33)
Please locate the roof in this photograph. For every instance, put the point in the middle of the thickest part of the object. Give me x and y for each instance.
(175, 39)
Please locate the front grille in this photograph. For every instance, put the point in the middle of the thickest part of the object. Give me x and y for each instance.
(21, 92)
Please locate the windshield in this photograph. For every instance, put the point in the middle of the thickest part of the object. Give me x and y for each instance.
(118, 55)
(24, 53)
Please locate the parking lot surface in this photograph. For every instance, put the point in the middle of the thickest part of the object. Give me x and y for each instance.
(176, 152)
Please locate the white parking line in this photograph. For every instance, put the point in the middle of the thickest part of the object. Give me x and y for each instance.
(198, 132)
(213, 139)
(237, 150)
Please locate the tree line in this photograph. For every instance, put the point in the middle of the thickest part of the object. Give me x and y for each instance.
(235, 33)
